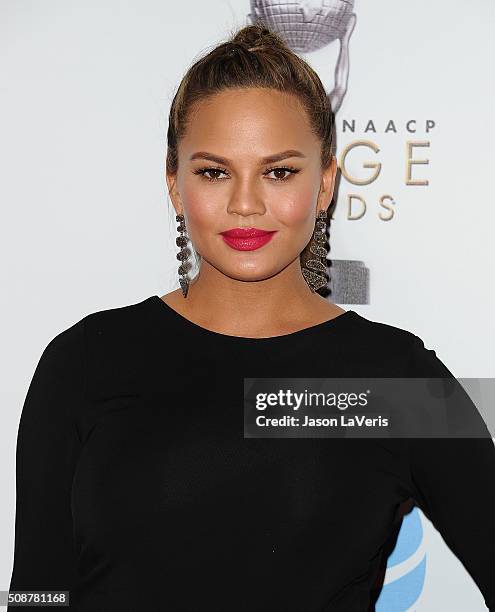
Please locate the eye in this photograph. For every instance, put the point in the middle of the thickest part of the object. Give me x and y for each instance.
(203, 172)
(212, 174)
(288, 169)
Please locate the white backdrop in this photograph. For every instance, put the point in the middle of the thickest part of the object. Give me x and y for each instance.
(86, 223)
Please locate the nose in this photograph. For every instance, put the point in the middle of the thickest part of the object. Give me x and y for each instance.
(245, 199)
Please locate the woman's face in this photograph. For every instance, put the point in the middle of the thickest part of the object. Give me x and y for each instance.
(225, 181)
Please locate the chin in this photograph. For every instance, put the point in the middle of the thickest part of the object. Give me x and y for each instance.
(250, 274)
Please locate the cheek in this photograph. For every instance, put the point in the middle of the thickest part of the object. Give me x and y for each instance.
(297, 208)
(203, 210)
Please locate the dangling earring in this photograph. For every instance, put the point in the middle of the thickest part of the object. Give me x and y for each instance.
(315, 270)
(183, 254)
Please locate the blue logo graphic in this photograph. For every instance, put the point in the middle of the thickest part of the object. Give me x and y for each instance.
(405, 574)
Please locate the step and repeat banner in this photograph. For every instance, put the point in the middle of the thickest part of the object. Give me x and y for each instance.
(86, 90)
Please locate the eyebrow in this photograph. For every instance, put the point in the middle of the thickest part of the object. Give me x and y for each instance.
(265, 160)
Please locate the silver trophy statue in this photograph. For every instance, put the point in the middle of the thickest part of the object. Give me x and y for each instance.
(309, 25)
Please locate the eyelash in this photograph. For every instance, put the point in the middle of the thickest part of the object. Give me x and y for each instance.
(289, 169)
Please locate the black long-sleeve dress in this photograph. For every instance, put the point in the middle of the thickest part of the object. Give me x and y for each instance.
(137, 490)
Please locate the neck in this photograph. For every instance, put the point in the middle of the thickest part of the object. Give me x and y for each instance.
(249, 307)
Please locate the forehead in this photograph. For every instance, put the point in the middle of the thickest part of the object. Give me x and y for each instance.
(249, 116)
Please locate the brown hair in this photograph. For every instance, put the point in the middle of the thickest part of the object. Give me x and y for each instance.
(254, 56)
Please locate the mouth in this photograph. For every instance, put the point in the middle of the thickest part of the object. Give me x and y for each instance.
(246, 239)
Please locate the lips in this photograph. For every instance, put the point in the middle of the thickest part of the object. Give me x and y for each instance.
(246, 238)
(245, 232)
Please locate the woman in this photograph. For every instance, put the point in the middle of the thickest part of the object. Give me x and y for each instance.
(136, 488)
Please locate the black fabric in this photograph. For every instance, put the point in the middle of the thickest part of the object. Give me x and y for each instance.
(136, 489)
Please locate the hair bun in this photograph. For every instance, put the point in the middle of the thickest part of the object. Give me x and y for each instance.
(255, 35)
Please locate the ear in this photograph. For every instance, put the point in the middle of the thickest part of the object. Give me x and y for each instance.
(327, 185)
(173, 193)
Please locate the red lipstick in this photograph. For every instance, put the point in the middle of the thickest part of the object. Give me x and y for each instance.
(246, 238)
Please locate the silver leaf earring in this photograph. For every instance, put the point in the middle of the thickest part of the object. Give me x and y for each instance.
(315, 269)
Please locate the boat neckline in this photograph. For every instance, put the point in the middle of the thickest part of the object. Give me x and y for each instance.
(333, 323)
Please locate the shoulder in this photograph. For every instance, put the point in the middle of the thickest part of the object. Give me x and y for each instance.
(386, 335)
(115, 342)
(112, 323)
(105, 345)
(61, 362)
(114, 320)
(395, 349)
